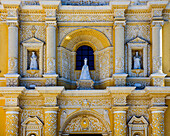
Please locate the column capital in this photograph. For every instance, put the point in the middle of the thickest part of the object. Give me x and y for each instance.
(120, 109)
(158, 109)
(51, 109)
(119, 23)
(12, 110)
(157, 23)
(51, 23)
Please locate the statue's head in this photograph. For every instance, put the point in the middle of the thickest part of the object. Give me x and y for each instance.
(85, 61)
(33, 53)
(137, 53)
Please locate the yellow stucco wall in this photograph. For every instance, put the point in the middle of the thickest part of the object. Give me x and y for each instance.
(167, 119)
(2, 117)
(166, 48)
(3, 49)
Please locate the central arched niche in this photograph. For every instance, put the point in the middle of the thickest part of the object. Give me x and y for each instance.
(103, 54)
(85, 122)
(97, 38)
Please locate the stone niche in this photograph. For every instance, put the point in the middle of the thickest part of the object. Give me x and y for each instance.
(137, 48)
(32, 126)
(30, 46)
(138, 126)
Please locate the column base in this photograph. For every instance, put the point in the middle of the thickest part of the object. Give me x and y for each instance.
(51, 79)
(119, 79)
(12, 79)
(157, 79)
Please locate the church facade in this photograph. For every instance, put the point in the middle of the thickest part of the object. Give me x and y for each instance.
(95, 67)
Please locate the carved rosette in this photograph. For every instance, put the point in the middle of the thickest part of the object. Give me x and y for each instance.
(12, 82)
(12, 65)
(51, 65)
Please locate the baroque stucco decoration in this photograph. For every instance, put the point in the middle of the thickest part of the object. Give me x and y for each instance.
(86, 121)
(32, 125)
(32, 44)
(138, 126)
(138, 44)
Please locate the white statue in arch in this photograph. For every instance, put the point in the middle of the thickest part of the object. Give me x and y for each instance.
(85, 74)
(137, 61)
(33, 64)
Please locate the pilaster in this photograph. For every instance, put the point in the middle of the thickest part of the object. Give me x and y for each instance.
(50, 121)
(119, 77)
(12, 77)
(119, 108)
(157, 124)
(157, 76)
(12, 108)
(51, 23)
(157, 108)
(50, 95)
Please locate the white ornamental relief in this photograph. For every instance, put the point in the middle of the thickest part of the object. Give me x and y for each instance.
(51, 65)
(89, 124)
(26, 33)
(157, 63)
(132, 31)
(12, 65)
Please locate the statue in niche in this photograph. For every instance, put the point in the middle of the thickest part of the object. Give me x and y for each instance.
(85, 74)
(33, 64)
(137, 61)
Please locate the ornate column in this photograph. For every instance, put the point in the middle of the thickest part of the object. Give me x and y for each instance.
(12, 108)
(12, 21)
(51, 76)
(120, 127)
(50, 95)
(50, 121)
(12, 125)
(158, 108)
(157, 120)
(120, 108)
(157, 76)
(119, 76)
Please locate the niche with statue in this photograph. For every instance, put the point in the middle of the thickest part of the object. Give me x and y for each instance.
(32, 57)
(137, 57)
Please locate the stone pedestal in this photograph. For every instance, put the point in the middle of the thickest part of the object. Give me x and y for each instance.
(157, 79)
(50, 79)
(157, 120)
(12, 119)
(120, 127)
(85, 84)
(50, 121)
(119, 79)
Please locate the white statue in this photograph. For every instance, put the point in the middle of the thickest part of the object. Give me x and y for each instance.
(33, 64)
(85, 75)
(137, 61)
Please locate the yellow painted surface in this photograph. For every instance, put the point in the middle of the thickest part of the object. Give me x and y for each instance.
(166, 48)
(167, 119)
(3, 49)
(2, 118)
